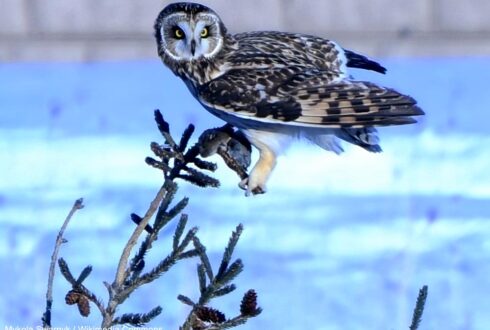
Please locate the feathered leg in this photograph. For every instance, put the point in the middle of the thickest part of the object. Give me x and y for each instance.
(255, 183)
(270, 144)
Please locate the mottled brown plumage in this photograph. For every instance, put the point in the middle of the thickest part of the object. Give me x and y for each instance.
(273, 85)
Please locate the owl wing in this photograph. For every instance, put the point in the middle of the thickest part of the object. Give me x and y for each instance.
(265, 47)
(307, 97)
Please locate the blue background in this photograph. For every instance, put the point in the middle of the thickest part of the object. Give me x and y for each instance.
(338, 242)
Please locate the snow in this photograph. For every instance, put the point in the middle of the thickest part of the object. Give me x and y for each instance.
(338, 242)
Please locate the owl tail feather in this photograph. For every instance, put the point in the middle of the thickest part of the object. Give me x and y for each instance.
(325, 141)
(362, 62)
(365, 137)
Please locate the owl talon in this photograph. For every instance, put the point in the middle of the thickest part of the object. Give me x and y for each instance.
(243, 184)
(256, 190)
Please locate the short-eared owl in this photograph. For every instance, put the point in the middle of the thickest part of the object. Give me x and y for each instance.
(274, 86)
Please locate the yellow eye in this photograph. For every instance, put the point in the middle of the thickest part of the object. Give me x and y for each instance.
(204, 33)
(178, 33)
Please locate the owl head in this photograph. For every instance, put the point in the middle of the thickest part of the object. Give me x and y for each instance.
(188, 31)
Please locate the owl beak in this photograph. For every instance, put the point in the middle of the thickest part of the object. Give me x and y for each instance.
(193, 47)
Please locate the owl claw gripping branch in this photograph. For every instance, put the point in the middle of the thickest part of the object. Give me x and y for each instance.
(275, 86)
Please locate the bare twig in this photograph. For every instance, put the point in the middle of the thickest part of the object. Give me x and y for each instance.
(123, 261)
(54, 257)
(122, 273)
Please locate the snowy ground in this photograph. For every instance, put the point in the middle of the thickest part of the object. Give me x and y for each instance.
(337, 242)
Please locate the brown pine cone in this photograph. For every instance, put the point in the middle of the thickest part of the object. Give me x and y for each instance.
(84, 306)
(72, 297)
(208, 314)
(248, 307)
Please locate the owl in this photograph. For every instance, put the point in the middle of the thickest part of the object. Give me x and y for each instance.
(276, 87)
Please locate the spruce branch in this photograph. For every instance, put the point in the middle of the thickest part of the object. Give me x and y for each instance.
(179, 230)
(163, 151)
(186, 136)
(201, 276)
(248, 309)
(182, 160)
(189, 254)
(46, 318)
(164, 128)
(137, 219)
(161, 218)
(224, 290)
(185, 300)
(79, 290)
(228, 143)
(137, 263)
(235, 236)
(199, 179)
(187, 238)
(65, 271)
(206, 264)
(163, 266)
(84, 274)
(137, 267)
(230, 273)
(205, 165)
(176, 161)
(138, 320)
(231, 323)
(177, 209)
(211, 286)
(419, 308)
